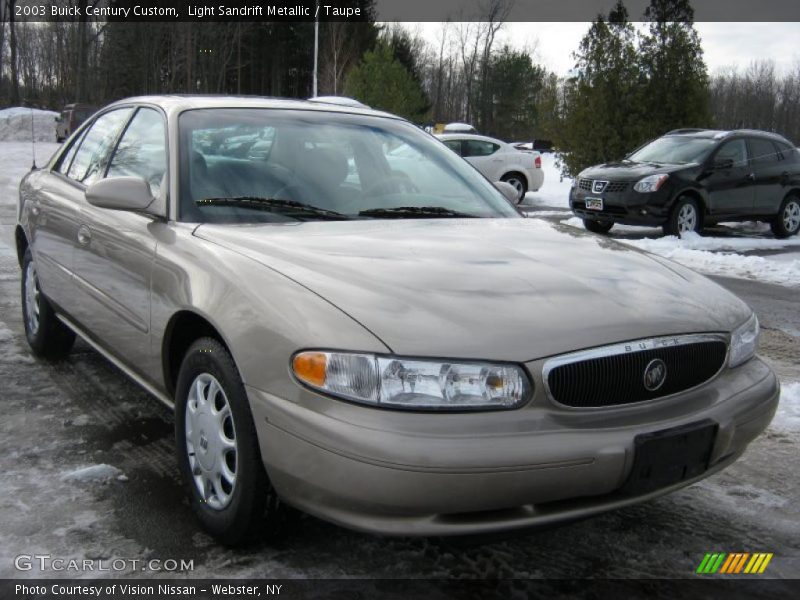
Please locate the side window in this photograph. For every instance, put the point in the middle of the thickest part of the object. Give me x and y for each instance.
(90, 159)
(785, 151)
(479, 148)
(736, 150)
(454, 145)
(63, 164)
(142, 151)
(763, 152)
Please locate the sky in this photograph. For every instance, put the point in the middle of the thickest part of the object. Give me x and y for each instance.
(724, 44)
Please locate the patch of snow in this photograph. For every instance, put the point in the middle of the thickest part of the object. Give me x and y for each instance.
(10, 351)
(15, 124)
(694, 241)
(101, 473)
(554, 192)
(787, 418)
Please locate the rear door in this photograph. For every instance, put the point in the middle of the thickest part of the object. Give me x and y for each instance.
(113, 262)
(768, 186)
(730, 188)
(483, 155)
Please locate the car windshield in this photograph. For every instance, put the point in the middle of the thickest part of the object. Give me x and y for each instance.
(274, 165)
(674, 150)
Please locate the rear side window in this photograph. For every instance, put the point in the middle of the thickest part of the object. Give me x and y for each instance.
(785, 151)
(90, 159)
(479, 148)
(454, 145)
(763, 152)
(142, 151)
(735, 150)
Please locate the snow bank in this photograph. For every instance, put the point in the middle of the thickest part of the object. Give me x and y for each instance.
(94, 474)
(15, 124)
(693, 241)
(788, 416)
(554, 192)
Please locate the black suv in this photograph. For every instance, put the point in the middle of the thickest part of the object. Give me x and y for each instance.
(691, 178)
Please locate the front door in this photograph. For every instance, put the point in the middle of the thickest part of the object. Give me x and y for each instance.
(730, 182)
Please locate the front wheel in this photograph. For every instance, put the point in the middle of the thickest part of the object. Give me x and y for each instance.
(598, 226)
(787, 222)
(218, 451)
(684, 217)
(47, 336)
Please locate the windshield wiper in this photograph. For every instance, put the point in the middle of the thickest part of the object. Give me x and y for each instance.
(277, 204)
(403, 212)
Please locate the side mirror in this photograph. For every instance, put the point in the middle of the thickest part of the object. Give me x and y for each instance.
(508, 190)
(723, 164)
(121, 193)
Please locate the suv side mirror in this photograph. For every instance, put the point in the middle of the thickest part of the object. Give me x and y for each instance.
(722, 164)
(508, 190)
(122, 193)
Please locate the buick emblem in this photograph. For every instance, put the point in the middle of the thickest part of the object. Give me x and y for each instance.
(655, 374)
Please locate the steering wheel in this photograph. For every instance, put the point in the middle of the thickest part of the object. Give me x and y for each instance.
(396, 182)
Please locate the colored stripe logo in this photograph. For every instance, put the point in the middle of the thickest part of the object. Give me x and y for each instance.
(734, 563)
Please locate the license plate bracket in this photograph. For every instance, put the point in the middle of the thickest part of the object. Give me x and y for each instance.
(663, 458)
(594, 204)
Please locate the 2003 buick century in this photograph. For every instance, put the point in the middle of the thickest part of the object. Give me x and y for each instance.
(350, 320)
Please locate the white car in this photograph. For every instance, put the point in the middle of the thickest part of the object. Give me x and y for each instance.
(498, 161)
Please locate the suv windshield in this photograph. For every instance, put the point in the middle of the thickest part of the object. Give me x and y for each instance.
(271, 165)
(675, 150)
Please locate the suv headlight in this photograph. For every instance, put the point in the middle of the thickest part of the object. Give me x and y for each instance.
(415, 384)
(744, 342)
(651, 183)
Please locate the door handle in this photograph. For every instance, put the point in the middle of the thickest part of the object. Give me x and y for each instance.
(84, 235)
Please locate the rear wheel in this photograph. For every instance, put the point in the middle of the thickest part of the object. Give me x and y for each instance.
(47, 336)
(218, 451)
(518, 182)
(684, 217)
(787, 221)
(598, 226)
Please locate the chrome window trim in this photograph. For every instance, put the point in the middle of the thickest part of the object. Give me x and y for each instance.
(640, 345)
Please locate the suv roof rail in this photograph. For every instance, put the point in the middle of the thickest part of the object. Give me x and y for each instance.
(338, 101)
(686, 130)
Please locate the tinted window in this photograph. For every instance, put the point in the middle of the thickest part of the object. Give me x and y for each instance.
(735, 150)
(763, 152)
(674, 150)
(479, 148)
(454, 145)
(90, 160)
(141, 151)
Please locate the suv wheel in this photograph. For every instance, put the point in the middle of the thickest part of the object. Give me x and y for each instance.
(47, 336)
(598, 226)
(685, 217)
(519, 183)
(787, 221)
(218, 452)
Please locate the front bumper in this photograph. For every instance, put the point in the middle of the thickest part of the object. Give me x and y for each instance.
(401, 473)
(628, 207)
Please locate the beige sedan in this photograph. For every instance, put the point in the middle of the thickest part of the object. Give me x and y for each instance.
(342, 332)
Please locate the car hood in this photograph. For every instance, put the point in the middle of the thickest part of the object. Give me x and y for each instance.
(628, 171)
(505, 289)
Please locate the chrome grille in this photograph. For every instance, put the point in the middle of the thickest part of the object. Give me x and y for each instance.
(612, 187)
(615, 375)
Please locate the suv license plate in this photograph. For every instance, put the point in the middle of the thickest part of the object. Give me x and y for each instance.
(594, 204)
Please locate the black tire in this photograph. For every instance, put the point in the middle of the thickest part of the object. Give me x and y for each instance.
(598, 226)
(677, 222)
(519, 182)
(787, 222)
(48, 337)
(253, 510)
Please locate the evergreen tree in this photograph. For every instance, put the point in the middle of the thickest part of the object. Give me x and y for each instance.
(515, 84)
(676, 92)
(382, 82)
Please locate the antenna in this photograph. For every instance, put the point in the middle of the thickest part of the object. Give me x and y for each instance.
(33, 144)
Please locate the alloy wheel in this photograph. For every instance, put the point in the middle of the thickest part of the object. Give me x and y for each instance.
(687, 218)
(211, 442)
(791, 216)
(32, 295)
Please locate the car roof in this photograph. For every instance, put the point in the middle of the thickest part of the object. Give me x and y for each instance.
(721, 134)
(179, 103)
(469, 136)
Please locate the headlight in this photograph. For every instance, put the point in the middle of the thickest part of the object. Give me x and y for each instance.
(744, 342)
(651, 183)
(388, 381)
